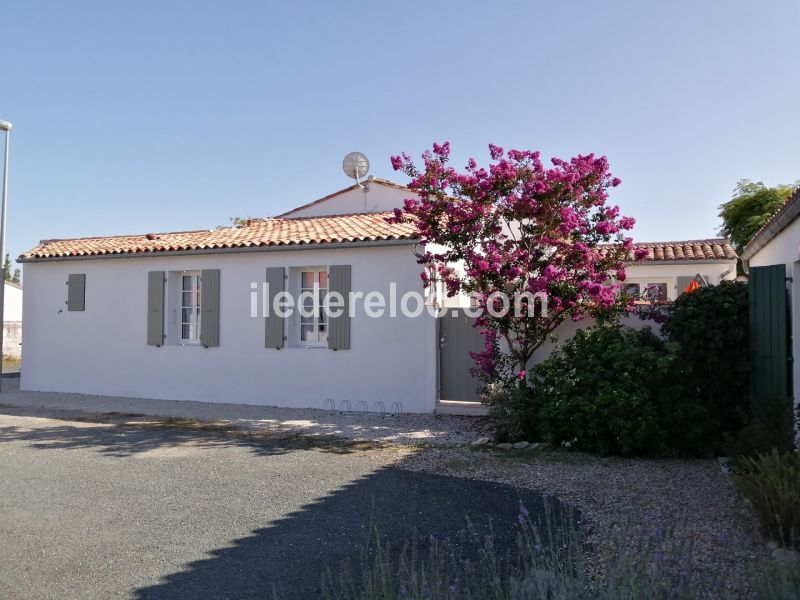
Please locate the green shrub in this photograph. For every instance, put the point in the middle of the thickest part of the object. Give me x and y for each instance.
(771, 425)
(513, 412)
(711, 327)
(771, 482)
(605, 391)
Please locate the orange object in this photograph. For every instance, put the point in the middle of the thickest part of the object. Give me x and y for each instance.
(693, 285)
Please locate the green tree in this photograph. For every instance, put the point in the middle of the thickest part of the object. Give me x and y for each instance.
(751, 205)
(8, 275)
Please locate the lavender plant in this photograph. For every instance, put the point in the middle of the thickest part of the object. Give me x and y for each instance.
(549, 561)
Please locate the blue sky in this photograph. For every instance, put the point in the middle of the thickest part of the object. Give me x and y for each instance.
(144, 116)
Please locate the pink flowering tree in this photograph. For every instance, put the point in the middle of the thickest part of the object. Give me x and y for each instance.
(523, 231)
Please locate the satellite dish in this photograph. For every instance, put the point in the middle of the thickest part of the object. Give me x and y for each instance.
(355, 165)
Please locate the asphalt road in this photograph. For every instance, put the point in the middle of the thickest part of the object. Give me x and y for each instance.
(101, 511)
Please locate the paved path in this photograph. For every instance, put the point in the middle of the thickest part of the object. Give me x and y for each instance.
(91, 510)
(397, 429)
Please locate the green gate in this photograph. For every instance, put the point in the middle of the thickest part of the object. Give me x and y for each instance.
(769, 334)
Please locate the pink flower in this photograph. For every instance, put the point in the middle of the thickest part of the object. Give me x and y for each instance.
(521, 374)
(569, 220)
(606, 227)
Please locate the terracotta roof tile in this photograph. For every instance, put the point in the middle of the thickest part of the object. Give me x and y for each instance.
(710, 249)
(366, 227)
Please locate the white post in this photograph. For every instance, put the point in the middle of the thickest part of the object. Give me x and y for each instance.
(4, 126)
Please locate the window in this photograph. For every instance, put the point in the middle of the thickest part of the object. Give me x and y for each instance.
(632, 290)
(189, 308)
(313, 291)
(656, 292)
(434, 290)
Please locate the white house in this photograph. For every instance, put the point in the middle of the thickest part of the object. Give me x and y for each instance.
(180, 315)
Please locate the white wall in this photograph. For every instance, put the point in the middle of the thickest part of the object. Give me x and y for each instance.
(103, 349)
(378, 198)
(12, 320)
(655, 272)
(12, 306)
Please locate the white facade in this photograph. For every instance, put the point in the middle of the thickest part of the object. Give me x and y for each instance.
(647, 273)
(103, 350)
(377, 195)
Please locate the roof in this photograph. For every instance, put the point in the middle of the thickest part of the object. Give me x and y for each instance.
(378, 180)
(14, 284)
(688, 250)
(257, 233)
(777, 223)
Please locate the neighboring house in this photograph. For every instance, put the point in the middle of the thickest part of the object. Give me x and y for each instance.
(772, 261)
(670, 266)
(662, 275)
(171, 315)
(12, 320)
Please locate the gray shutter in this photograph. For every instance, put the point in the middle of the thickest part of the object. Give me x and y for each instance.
(209, 307)
(274, 323)
(155, 308)
(339, 327)
(76, 292)
(683, 281)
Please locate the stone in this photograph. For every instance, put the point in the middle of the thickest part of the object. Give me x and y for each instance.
(520, 445)
(785, 556)
(538, 445)
(504, 446)
(481, 441)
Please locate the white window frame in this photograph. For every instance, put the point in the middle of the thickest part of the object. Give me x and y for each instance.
(182, 341)
(320, 300)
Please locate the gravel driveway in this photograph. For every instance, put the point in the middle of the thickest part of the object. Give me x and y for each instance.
(98, 510)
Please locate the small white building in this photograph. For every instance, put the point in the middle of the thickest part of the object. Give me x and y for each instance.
(670, 266)
(12, 320)
(181, 316)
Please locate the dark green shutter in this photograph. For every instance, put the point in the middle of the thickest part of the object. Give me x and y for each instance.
(76, 292)
(274, 323)
(339, 280)
(209, 307)
(769, 338)
(155, 308)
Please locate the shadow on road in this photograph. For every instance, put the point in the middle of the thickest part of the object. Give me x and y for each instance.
(287, 559)
(127, 435)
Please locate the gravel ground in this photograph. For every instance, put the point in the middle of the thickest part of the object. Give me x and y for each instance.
(690, 496)
(396, 429)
